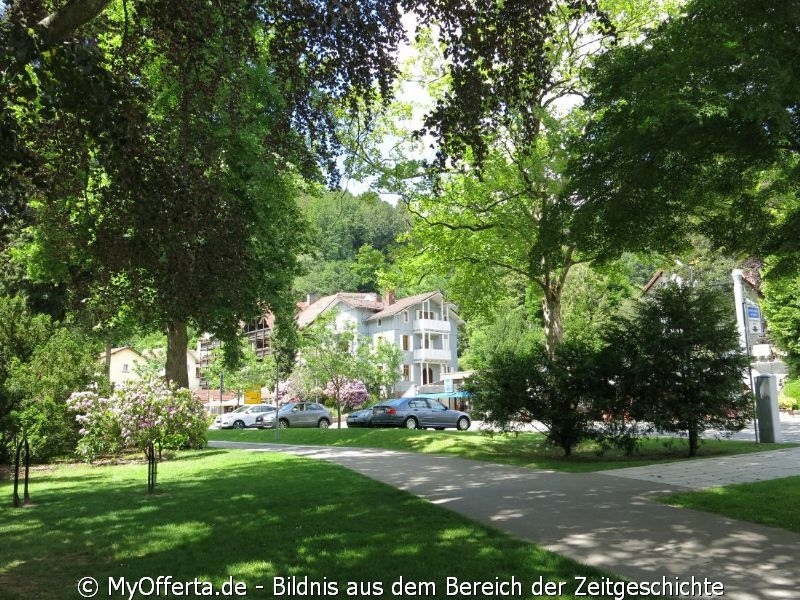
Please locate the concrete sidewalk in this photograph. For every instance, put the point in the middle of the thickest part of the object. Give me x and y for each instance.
(607, 519)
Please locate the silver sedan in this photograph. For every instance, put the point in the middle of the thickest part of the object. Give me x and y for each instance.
(300, 414)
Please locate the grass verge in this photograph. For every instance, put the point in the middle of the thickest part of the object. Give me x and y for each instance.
(524, 449)
(774, 503)
(224, 516)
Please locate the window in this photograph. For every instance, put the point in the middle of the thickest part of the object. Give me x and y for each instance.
(406, 343)
(126, 368)
(405, 316)
(427, 376)
(425, 314)
(380, 322)
(406, 372)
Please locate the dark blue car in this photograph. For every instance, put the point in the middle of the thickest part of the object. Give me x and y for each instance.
(418, 413)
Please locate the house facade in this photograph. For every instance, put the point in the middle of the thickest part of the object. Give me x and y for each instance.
(124, 362)
(424, 327)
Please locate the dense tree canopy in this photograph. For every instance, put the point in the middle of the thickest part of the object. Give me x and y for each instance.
(493, 209)
(351, 238)
(697, 127)
(170, 136)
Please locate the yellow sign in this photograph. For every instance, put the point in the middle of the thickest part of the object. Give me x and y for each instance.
(252, 396)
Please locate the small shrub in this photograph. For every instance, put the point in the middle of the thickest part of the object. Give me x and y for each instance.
(790, 397)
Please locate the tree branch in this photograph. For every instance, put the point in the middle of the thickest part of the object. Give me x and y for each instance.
(61, 23)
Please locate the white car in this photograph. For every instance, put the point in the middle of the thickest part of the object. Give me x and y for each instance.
(249, 415)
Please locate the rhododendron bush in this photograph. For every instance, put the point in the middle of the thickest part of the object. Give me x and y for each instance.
(137, 413)
(352, 393)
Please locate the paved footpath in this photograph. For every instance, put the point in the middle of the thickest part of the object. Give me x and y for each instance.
(608, 519)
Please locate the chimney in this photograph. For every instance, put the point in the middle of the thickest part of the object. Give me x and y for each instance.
(389, 297)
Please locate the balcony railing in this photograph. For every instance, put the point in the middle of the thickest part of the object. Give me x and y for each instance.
(432, 355)
(433, 325)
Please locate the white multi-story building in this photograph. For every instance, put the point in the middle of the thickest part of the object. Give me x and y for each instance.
(424, 327)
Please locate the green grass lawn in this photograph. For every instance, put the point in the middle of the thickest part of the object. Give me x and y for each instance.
(222, 515)
(775, 502)
(524, 449)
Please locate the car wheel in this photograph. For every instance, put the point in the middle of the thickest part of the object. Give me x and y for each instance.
(410, 423)
(238, 424)
(323, 424)
(283, 423)
(463, 424)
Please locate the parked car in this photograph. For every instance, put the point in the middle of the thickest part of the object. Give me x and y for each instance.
(249, 415)
(414, 413)
(300, 414)
(360, 418)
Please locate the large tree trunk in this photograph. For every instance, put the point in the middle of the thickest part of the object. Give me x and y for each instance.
(177, 370)
(552, 285)
(694, 437)
(553, 326)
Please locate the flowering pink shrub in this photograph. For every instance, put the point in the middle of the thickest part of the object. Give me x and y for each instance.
(137, 413)
(352, 393)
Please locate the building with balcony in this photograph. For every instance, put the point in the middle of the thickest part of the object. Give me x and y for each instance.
(424, 327)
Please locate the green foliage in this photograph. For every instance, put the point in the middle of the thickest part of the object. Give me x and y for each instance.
(694, 128)
(531, 385)
(66, 362)
(21, 333)
(251, 373)
(509, 329)
(351, 237)
(790, 394)
(781, 307)
(676, 363)
(171, 138)
(379, 367)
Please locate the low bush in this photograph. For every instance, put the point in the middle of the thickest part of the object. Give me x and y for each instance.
(136, 414)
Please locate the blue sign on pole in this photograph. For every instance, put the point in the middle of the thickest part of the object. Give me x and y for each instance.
(753, 312)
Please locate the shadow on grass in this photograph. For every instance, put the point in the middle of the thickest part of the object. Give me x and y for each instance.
(523, 449)
(252, 518)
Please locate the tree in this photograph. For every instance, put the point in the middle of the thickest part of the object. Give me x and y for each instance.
(695, 128)
(251, 374)
(171, 135)
(350, 394)
(676, 363)
(781, 307)
(66, 362)
(379, 366)
(529, 384)
(20, 335)
(351, 237)
(493, 208)
(328, 355)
